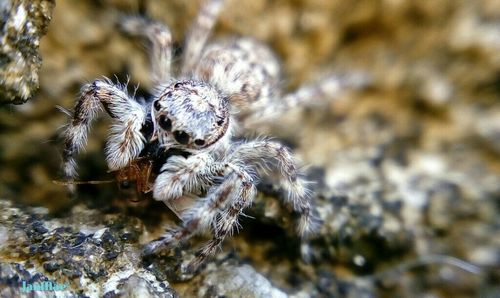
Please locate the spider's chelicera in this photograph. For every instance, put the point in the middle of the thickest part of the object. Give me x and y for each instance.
(181, 142)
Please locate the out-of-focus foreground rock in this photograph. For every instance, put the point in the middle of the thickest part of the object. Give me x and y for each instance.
(22, 25)
(406, 172)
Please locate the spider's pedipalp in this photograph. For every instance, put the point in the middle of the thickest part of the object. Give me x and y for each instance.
(126, 141)
(160, 39)
(181, 175)
(198, 34)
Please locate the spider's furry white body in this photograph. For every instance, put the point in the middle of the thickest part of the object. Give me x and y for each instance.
(220, 86)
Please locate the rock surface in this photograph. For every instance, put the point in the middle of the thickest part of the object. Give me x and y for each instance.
(22, 25)
(95, 254)
(407, 173)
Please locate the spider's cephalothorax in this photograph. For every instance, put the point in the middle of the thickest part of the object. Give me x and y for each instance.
(190, 115)
(182, 141)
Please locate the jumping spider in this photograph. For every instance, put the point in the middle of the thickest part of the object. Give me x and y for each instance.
(181, 142)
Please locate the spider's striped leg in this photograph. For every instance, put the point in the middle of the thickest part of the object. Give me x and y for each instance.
(234, 193)
(160, 44)
(126, 140)
(225, 224)
(264, 153)
(329, 88)
(199, 33)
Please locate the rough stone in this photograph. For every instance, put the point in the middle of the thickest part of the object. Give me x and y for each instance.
(22, 25)
(73, 252)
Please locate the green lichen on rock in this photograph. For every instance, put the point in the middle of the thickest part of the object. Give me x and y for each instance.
(22, 24)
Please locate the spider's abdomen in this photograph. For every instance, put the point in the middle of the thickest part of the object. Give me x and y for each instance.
(244, 69)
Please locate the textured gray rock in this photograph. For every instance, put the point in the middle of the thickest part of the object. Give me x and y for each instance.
(95, 255)
(22, 24)
(237, 281)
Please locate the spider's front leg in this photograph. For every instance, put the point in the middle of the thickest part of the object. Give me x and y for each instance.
(218, 210)
(262, 154)
(160, 44)
(227, 219)
(125, 141)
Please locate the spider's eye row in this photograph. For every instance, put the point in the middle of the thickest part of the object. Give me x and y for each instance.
(199, 142)
(181, 136)
(165, 123)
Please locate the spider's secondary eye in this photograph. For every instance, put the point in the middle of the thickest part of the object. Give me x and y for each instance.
(220, 122)
(157, 105)
(125, 184)
(181, 137)
(165, 123)
(199, 142)
(177, 85)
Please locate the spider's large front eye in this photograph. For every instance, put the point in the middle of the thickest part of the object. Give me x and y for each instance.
(181, 137)
(165, 123)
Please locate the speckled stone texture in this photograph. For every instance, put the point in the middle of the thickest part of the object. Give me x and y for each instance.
(94, 255)
(407, 173)
(22, 25)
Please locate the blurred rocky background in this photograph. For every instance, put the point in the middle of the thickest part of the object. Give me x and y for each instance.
(407, 173)
(22, 25)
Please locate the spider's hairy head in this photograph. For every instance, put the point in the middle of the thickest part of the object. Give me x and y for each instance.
(190, 114)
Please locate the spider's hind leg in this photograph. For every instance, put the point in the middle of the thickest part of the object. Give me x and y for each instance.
(313, 94)
(198, 34)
